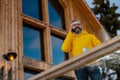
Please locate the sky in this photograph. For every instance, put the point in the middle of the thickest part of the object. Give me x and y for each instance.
(116, 2)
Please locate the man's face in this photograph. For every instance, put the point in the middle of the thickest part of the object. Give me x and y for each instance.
(76, 27)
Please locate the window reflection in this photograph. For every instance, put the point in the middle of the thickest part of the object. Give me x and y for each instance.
(32, 8)
(32, 42)
(29, 73)
(57, 55)
(56, 14)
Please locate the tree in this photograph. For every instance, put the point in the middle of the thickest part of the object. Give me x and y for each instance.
(107, 15)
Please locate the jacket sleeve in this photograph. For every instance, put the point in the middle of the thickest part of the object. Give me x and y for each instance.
(67, 44)
(95, 40)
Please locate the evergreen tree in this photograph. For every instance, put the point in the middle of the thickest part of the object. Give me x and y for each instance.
(107, 15)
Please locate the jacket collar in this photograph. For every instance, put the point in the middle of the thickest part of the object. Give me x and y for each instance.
(83, 32)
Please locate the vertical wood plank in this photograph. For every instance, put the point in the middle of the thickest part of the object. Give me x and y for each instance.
(5, 25)
(9, 12)
(71, 10)
(20, 40)
(45, 11)
(67, 18)
(1, 35)
(71, 17)
(47, 33)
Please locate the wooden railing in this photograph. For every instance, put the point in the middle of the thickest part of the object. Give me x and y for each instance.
(97, 52)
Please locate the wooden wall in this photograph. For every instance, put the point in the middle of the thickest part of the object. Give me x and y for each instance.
(11, 34)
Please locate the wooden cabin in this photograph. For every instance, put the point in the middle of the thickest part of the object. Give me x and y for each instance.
(35, 30)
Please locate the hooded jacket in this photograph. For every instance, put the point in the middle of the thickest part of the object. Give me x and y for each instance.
(75, 44)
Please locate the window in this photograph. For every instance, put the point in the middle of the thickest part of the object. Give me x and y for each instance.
(33, 42)
(61, 78)
(57, 55)
(29, 73)
(32, 8)
(56, 14)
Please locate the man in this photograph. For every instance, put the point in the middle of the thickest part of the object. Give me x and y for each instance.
(78, 41)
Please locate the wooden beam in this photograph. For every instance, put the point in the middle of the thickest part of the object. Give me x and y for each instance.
(81, 60)
(40, 66)
(58, 32)
(46, 33)
(34, 22)
(71, 10)
(63, 3)
(20, 40)
(45, 11)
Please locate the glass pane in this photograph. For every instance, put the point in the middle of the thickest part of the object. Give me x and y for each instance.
(31, 42)
(61, 78)
(29, 73)
(56, 14)
(57, 55)
(32, 8)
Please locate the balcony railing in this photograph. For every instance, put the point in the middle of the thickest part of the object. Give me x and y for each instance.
(97, 52)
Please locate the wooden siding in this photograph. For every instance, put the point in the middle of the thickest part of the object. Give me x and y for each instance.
(10, 12)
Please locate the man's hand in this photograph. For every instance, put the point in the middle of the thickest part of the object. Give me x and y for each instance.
(72, 28)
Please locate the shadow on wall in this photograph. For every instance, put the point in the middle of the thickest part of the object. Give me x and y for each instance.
(1, 73)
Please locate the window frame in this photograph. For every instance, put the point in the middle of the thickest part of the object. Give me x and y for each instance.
(42, 55)
(66, 56)
(47, 30)
(29, 70)
(63, 26)
(40, 11)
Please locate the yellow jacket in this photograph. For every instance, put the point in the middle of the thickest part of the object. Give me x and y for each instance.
(75, 43)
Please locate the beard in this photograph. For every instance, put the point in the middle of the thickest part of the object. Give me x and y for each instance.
(77, 30)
